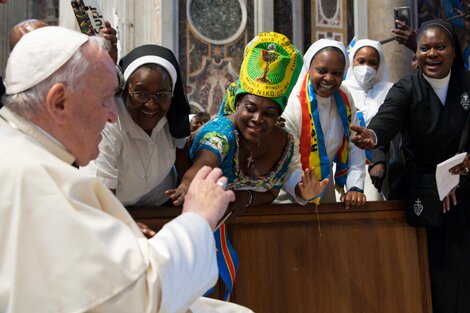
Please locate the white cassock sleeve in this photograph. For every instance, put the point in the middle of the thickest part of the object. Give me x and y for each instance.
(357, 158)
(293, 117)
(68, 245)
(177, 275)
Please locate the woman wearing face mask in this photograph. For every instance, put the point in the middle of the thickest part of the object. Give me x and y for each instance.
(319, 113)
(367, 82)
(431, 108)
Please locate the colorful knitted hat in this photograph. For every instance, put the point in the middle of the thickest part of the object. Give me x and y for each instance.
(271, 65)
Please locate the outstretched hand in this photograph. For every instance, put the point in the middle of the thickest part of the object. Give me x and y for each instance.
(377, 175)
(462, 168)
(207, 197)
(405, 35)
(147, 231)
(362, 137)
(309, 187)
(353, 198)
(446, 201)
(177, 195)
(110, 34)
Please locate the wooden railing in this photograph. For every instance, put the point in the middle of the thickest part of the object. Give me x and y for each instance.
(361, 260)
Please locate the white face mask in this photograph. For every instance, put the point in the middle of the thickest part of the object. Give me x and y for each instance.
(364, 74)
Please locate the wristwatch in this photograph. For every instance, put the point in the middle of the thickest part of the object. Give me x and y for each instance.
(356, 189)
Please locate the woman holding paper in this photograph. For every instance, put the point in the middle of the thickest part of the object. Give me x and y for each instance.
(431, 109)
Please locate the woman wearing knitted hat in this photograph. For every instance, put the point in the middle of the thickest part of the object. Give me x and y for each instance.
(253, 152)
(319, 113)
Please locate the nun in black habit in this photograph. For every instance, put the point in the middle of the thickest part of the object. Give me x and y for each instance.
(431, 109)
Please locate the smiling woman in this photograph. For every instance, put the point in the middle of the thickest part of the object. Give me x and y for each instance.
(319, 113)
(245, 141)
(436, 52)
(141, 153)
(431, 110)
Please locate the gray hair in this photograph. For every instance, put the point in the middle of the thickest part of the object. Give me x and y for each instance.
(30, 102)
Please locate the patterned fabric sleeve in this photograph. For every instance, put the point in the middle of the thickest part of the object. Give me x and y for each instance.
(215, 143)
(215, 136)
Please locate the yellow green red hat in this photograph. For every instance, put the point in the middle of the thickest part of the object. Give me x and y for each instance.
(270, 68)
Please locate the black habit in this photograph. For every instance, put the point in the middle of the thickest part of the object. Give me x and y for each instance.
(431, 134)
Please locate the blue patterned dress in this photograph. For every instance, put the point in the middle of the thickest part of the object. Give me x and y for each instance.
(220, 137)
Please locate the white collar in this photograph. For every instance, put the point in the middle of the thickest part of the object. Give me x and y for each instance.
(44, 138)
(323, 101)
(45, 133)
(438, 83)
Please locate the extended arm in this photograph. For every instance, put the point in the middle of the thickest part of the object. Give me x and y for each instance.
(203, 157)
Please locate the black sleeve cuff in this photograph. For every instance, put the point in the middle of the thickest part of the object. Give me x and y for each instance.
(356, 189)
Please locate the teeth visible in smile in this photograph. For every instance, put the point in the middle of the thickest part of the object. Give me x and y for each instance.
(255, 129)
(148, 113)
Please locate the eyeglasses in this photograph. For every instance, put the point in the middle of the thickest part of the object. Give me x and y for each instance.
(144, 97)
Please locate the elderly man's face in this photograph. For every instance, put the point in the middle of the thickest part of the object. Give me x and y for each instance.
(93, 106)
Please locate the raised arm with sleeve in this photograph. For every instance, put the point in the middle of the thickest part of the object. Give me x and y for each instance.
(68, 245)
(292, 125)
(393, 113)
(356, 173)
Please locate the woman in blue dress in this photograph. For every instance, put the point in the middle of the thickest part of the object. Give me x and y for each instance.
(248, 145)
(256, 155)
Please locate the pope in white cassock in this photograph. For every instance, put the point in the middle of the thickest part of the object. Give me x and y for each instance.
(66, 243)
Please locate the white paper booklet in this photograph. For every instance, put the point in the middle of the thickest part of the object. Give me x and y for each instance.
(444, 179)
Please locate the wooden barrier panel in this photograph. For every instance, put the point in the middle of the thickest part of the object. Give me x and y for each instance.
(365, 260)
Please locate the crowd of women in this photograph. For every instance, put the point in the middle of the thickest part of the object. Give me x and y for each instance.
(299, 124)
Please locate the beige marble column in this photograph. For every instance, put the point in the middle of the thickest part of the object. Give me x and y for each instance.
(380, 24)
(165, 21)
(10, 14)
(264, 16)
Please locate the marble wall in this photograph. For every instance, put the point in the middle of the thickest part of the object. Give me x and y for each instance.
(210, 44)
(283, 15)
(380, 24)
(212, 36)
(16, 11)
(329, 19)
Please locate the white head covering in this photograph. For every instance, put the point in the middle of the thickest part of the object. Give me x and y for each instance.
(368, 98)
(310, 54)
(382, 71)
(319, 45)
(38, 55)
(151, 59)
